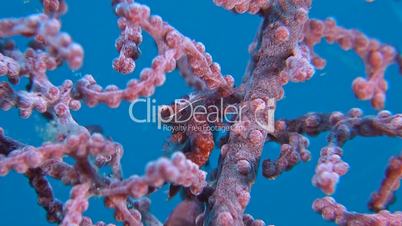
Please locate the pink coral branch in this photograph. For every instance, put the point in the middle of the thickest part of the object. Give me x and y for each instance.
(128, 46)
(46, 31)
(172, 46)
(86, 221)
(43, 96)
(122, 213)
(242, 6)
(179, 171)
(76, 205)
(332, 211)
(385, 195)
(375, 55)
(293, 150)
(330, 165)
(54, 7)
(38, 181)
(9, 67)
(76, 145)
(329, 169)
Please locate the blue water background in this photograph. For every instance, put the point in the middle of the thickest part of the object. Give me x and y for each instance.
(284, 201)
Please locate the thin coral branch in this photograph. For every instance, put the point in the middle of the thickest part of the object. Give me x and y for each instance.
(332, 211)
(293, 150)
(385, 195)
(45, 30)
(242, 6)
(76, 205)
(77, 145)
(37, 180)
(172, 46)
(54, 7)
(375, 55)
(178, 171)
(330, 165)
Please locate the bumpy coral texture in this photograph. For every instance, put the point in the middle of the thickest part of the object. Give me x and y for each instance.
(283, 51)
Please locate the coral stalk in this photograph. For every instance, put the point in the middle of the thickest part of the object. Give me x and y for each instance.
(240, 156)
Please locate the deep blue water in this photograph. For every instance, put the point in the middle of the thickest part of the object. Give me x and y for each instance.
(284, 201)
